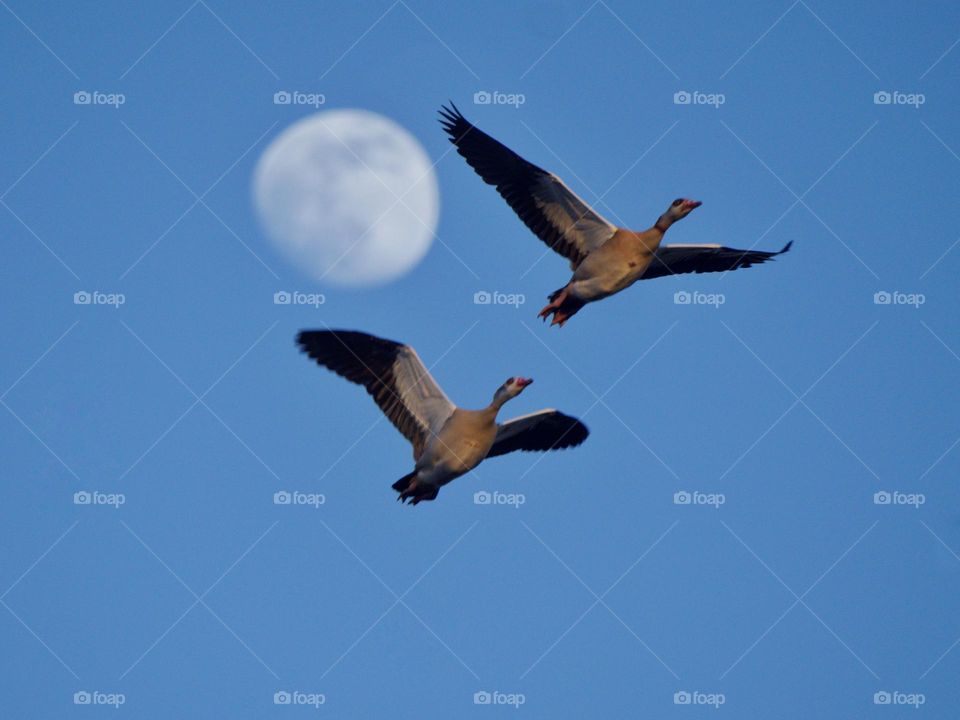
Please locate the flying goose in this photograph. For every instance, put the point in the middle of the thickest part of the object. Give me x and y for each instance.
(448, 441)
(605, 258)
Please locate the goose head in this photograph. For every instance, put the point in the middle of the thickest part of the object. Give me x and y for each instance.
(510, 389)
(681, 207)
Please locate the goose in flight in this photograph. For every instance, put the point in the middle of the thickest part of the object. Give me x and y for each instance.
(448, 441)
(605, 259)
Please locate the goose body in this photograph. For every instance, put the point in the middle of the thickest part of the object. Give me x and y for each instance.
(605, 258)
(447, 441)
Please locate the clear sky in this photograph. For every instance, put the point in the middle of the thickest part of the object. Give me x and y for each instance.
(794, 401)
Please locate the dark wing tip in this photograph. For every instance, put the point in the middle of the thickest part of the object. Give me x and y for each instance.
(453, 122)
(575, 434)
(786, 248)
(322, 344)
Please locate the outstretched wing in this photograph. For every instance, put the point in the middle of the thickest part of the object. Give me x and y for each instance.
(391, 372)
(679, 259)
(539, 431)
(545, 204)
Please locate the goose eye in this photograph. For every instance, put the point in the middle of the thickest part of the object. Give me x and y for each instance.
(677, 201)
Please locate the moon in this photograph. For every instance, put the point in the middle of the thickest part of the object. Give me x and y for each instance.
(348, 196)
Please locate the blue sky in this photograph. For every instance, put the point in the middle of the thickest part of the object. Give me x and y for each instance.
(796, 400)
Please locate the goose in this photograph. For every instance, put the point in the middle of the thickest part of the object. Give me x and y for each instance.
(448, 441)
(605, 258)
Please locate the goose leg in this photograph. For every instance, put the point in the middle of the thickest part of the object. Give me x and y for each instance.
(555, 303)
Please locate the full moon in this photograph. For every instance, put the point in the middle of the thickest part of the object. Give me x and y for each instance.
(348, 196)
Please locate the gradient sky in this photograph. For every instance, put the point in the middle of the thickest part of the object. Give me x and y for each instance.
(797, 399)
